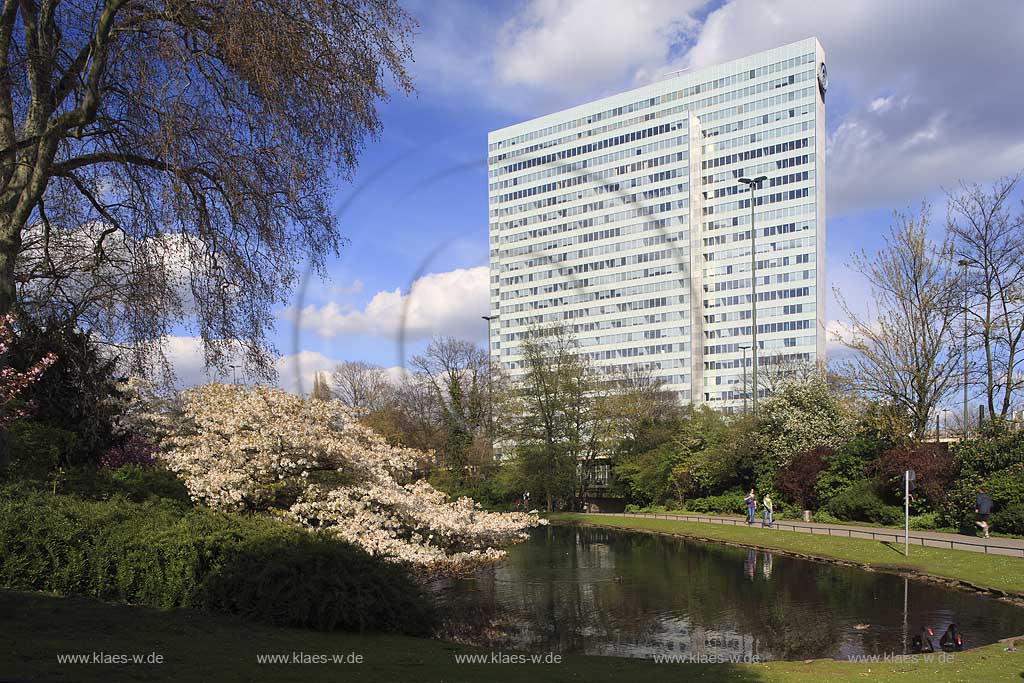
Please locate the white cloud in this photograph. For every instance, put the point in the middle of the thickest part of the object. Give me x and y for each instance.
(880, 103)
(294, 371)
(958, 118)
(344, 290)
(575, 46)
(955, 113)
(835, 349)
(448, 303)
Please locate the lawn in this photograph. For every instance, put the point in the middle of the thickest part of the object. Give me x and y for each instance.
(196, 646)
(997, 572)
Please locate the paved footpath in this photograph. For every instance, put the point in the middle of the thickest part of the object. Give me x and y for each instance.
(990, 546)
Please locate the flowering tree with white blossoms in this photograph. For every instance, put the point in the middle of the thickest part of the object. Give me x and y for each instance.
(262, 449)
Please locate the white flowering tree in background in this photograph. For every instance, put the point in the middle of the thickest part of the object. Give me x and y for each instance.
(266, 450)
(802, 414)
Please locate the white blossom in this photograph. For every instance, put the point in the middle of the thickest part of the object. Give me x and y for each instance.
(263, 449)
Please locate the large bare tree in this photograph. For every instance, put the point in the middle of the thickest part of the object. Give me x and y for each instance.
(563, 415)
(903, 349)
(164, 160)
(361, 387)
(988, 240)
(454, 373)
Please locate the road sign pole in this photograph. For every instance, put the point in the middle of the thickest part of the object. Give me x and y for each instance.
(906, 513)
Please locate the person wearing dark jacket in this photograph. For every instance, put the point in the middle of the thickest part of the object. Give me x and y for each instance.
(983, 508)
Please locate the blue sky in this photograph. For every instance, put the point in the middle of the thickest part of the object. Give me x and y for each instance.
(920, 96)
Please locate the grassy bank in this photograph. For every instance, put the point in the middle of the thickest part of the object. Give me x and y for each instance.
(996, 572)
(199, 646)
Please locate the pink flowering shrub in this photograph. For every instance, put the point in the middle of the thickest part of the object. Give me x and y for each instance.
(13, 382)
(264, 449)
(137, 450)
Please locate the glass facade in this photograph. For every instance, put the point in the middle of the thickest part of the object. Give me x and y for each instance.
(624, 220)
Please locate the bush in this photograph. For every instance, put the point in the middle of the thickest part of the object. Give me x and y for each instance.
(863, 502)
(930, 461)
(730, 502)
(927, 521)
(136, 450)
(845, 466)
(163, 554)
(77, 393)
(798, 480)
(35, 448)
(1009, 519)
(135, 483)
(996, 462)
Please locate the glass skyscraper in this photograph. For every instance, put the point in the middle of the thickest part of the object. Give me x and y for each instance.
(624, 220)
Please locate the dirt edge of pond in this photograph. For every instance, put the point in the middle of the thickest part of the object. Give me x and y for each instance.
(1012, 597)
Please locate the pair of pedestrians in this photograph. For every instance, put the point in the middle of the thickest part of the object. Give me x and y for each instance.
(768, 509)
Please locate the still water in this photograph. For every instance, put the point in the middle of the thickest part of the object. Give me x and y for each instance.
(607, 592)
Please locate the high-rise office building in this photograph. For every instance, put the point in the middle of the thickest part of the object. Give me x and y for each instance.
(624, 220)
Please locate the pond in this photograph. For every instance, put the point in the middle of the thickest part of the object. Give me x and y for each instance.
(598, 591)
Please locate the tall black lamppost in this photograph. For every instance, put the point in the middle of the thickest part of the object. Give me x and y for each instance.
(744, 347)
(490, 386)
(753, 184)
(965, 264)
(234, 373)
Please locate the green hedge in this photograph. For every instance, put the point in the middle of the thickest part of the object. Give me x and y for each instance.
(163, 553)
(727, 503)
(863, 502)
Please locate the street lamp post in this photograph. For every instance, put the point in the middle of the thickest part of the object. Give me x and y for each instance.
(234, 374)
(490, 386)
(964, 264)
(753, 183)
(744, 347)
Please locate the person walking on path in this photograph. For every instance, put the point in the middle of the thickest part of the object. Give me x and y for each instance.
(983, 508)
(751, 503)
(768, 519)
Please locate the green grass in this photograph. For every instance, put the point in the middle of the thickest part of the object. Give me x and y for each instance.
(997, 572)
(200, 646)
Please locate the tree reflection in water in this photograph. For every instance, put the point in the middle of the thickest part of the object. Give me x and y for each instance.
(602, 591)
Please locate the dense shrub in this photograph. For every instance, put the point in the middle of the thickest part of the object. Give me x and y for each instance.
(77, 393)
(729, 502)
(845, 466)
(863, 502)
(798, 480)
(996, 463)
(135, 450)
(131, 481)
(164, 554)
(35, 448)
(932, 464)
(928, 520)
(1009, 519)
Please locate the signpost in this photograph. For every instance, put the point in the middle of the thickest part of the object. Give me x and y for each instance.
(909, 477)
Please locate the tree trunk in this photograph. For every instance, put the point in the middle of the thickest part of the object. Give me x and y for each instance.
(9, 244)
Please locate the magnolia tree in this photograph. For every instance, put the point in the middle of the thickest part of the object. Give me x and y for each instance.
(266, 450)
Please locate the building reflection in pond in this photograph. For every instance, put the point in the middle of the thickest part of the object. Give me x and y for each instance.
(601, 591)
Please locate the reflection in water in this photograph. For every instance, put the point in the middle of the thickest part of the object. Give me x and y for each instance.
(602, 591)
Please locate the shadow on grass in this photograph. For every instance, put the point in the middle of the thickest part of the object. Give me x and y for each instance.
(898, 548)
(197, 646)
